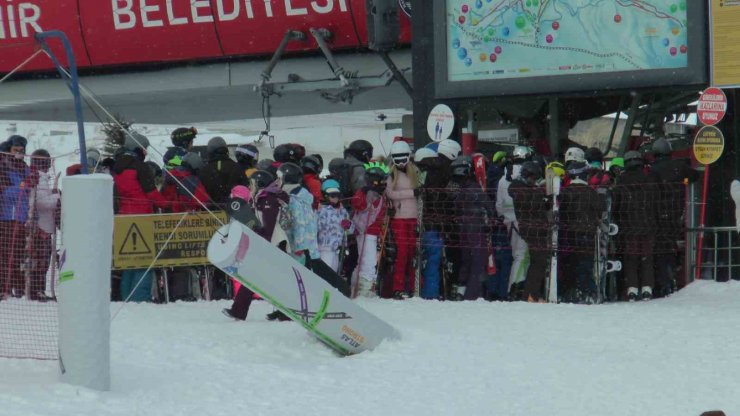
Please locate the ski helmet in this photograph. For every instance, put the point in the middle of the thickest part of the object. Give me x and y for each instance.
(594, 156)
(499, 157)
(376, 174)
(574, 154)
(135, 140)
(299, 150)
(335, 166)
(449, 149)
(285, 153)
(241, 192)
(577, 169)
(216, 145)
(661, 147)
(361, 149)
(462, 166)
(531, 170)
(320, 159)
(521, 154)
(93, 157)
(247, 154)
(330, 186)
(192, 161)
(400, 153)
(557, 168)
(618, 162)
(262, 178)
(290, 173)
(311, 164)
(633, 160)
(173, 157)
(424, 154)
(183, 136)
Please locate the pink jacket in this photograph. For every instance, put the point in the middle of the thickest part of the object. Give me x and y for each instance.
(402, 197)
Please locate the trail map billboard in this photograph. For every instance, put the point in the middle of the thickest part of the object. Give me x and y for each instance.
(491, 40)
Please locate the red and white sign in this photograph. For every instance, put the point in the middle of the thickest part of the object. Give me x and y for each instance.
(106, 33)
(712, 106)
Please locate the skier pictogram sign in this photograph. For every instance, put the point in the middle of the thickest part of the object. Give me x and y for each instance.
(134, 242)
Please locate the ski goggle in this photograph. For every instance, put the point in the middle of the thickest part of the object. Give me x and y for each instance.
(400, 159)
(333, 195)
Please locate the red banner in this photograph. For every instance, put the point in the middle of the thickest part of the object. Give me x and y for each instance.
(134, 32)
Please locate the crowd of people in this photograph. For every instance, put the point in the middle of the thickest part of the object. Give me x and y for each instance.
(430, 222)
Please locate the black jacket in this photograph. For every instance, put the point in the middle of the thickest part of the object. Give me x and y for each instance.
(634, 207)
(218, 178)
(531, 206)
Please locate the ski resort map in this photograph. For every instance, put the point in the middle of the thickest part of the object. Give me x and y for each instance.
(501, 39)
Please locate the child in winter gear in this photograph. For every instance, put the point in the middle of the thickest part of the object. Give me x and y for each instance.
(368, 207)
(312, 167)
(182, 188)
(334, 224)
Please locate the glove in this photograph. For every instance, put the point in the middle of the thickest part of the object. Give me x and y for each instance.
(346, 224)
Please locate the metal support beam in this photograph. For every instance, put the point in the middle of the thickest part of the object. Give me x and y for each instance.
(398, 75)
(631, 115)
(321, 35)
(614, 125)
(289, 35)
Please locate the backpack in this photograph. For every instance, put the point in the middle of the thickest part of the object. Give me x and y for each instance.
(344, 177)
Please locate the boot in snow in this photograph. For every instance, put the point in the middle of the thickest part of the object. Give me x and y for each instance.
(277, 316)
(632, 294)
(647, 293)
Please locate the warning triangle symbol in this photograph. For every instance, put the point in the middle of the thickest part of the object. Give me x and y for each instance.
(134, 242)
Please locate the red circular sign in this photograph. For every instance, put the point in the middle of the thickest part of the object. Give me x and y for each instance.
(712, 106)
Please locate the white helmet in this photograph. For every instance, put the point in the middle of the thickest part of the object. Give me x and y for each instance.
(449, 149)
(400, 152)
(575, 154)
(521, 153)
(424, 153)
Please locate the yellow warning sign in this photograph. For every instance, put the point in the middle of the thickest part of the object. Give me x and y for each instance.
(137, 239)
(709, 144)
(725, 32)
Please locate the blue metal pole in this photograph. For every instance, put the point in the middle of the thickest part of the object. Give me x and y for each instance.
(72, 83)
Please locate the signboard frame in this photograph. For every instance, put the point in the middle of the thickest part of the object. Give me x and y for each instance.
(694, 74)
(715, 80)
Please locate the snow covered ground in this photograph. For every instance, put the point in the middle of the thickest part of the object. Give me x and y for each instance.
(676, 356)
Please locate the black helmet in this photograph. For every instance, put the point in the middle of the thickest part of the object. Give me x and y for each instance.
(41, 159)
(311, 164)
(593, 154)
(154, 167)
(661, 147)
(321, 160)
(286, 152)
(290, 173)
(265, 164)
(262, 178)
(247, 154)
(299, 150)
(335, 165)
(183, 136)
(361, 149)
(193, 161)
(462, 166)
(633, 160)
(531, 170)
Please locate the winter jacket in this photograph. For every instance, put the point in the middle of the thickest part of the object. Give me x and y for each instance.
(368, 210)
(134, 187)
(267, 203)
(313, 184)
(241, 175)
(532, 207)
(633, 203)
(356, 171)
(218, 176)
(15, 177)
(671, 199)
(180, 185)
(402, 195)
(435, 201)
(331, 233)
(471, 203)
(303, 232)
(504, 203)
(46, 203)
(581, 210)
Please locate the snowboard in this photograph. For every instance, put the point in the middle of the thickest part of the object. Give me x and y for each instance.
(296, 291)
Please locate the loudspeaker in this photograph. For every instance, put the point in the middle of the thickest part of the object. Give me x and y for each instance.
(383, 25)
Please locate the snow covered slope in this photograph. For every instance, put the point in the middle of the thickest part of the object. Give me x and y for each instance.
(676, 356)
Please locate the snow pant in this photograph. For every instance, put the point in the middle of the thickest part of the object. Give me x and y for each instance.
(665, 263)
(404, 231)
(520, 263)
(129, 281)
(432, 245)
(242, 302)
(367, 247)
(536, 274)
(40, 261)
(638, 262)
(330, 257)
(497, 285)
(579, 270)
(473, 258)
(13, 236)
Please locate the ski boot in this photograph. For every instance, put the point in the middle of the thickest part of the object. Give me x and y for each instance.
(277, 316)
(399, 295)
(632, 294)
(647, 293)
(227, 312)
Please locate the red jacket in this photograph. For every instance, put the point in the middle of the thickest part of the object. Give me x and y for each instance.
(312, 182)
(134, 187)
(359, 204)
(175, 193)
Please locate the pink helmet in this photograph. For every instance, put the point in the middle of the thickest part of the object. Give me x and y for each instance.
(241, 192)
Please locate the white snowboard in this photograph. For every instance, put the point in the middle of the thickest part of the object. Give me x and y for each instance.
(296, 291)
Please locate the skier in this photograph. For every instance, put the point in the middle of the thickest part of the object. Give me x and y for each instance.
(351, 173)
(218, 174)
(47, 200)
(182, 141)
(597, 177)
(302, 230)
(369, 210)
(505, 208)
(670, 207)
(312, 167)
(333, 224)
(402, 191)
(574, 156)
(15, 182)
(434, 202)
(532, 209)
(635, 213)
(181, 187)
(247, 156)
(136, 194)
